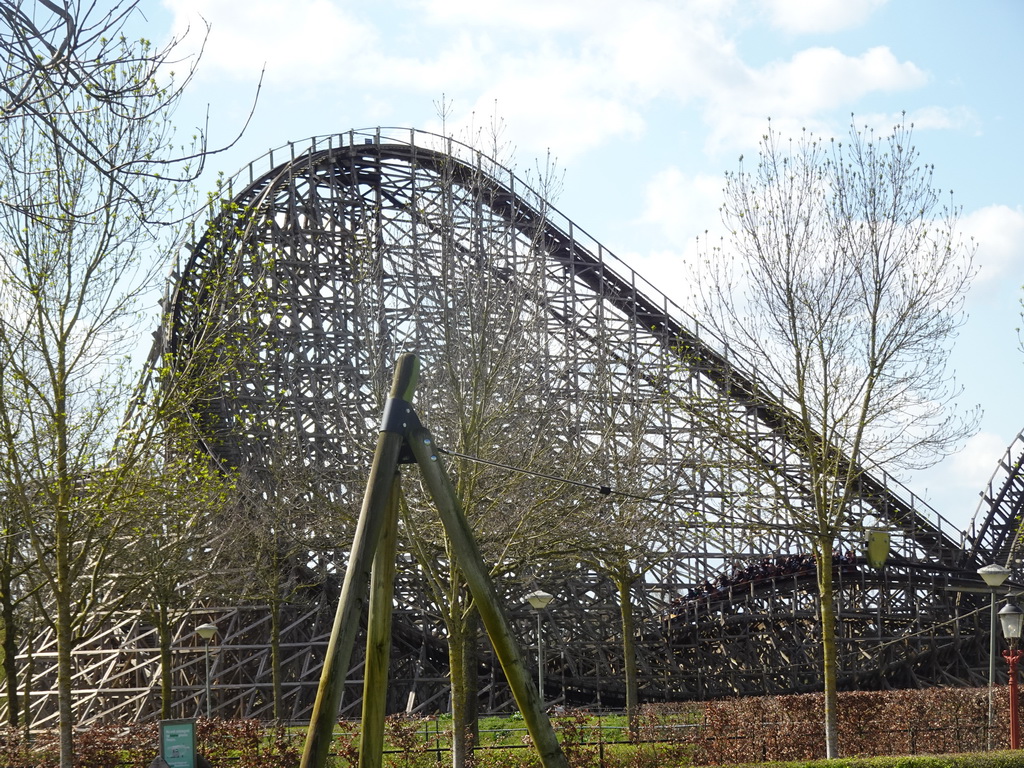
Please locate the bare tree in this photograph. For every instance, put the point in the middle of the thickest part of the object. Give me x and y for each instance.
(489, 401)
(58, 60)
(277, 522)
(490, 393)
(842, 279)
(620, 451)
(79, 156)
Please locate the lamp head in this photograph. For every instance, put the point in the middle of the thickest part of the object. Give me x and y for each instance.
(539, 599)
(994, 575)
(1011, 617)
(206, 631)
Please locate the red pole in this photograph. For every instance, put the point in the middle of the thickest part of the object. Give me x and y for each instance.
(1012, 657)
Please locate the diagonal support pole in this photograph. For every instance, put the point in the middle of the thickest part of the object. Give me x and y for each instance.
(357, 575)
(378, 638)
(488, 605)
(377, 526)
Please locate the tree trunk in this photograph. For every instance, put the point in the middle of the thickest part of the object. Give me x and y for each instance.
(471, 676)
(64, 688)
(30, 670)
(166, 661)
(10, 650)
(461, 739)
(275, 658)
(829, 655)
(62, 591)
(624, 581)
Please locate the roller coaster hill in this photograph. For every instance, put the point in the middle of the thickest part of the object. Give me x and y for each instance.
(328, 260)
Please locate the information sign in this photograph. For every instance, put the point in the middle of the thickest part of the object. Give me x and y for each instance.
(178, 743)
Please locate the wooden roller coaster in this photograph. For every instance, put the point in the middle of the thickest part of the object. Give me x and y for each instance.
(348, 250)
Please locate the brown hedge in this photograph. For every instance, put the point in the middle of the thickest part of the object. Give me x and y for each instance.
(787, 728)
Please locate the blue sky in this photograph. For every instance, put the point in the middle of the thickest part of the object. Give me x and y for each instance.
(645, 104)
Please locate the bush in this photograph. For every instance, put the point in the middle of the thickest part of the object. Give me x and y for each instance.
(871, 723)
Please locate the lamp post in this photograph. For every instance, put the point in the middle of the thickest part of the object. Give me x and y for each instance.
(994, 575)
(207, 631)
(1011, 618)
(540, 599)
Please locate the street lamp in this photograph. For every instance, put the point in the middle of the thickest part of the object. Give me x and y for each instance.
(539, 599)
(1011, 618)
(994, 575)
(207, 631)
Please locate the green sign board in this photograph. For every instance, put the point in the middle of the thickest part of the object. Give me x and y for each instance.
(178, 743)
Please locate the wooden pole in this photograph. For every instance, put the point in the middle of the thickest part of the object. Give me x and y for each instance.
(357, 575)
(477, 577)
(378, 639)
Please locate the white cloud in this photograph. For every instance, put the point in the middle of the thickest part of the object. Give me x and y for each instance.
(953, 486)
(999, 232)
(682, 206)
(566, 75)
(669, 272)
(974, 465)
(465, 63)
(557, 118)
(942, 118)
(824, 78)
(587, 75)
(300, 41)
(921, 119)
(531, 15)
(574, 71)
(656, 50)
(679, 207)
(803, 92)
(811, 16)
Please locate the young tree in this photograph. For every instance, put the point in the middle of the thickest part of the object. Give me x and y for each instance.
(187, 549)
(618, 535)
(842, 279)
(620, 544)
(490, 392)
(487, 398)
(277, 522)
(77, 255)
(13, 600)
(175, 543)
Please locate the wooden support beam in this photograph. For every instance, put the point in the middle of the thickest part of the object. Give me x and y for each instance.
(488, 605)
(357, 575)
(378, 637)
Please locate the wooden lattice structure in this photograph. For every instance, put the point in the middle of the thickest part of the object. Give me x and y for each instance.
(334, 257)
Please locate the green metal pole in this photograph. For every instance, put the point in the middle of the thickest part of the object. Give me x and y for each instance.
(357, 576)
(491, 613)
